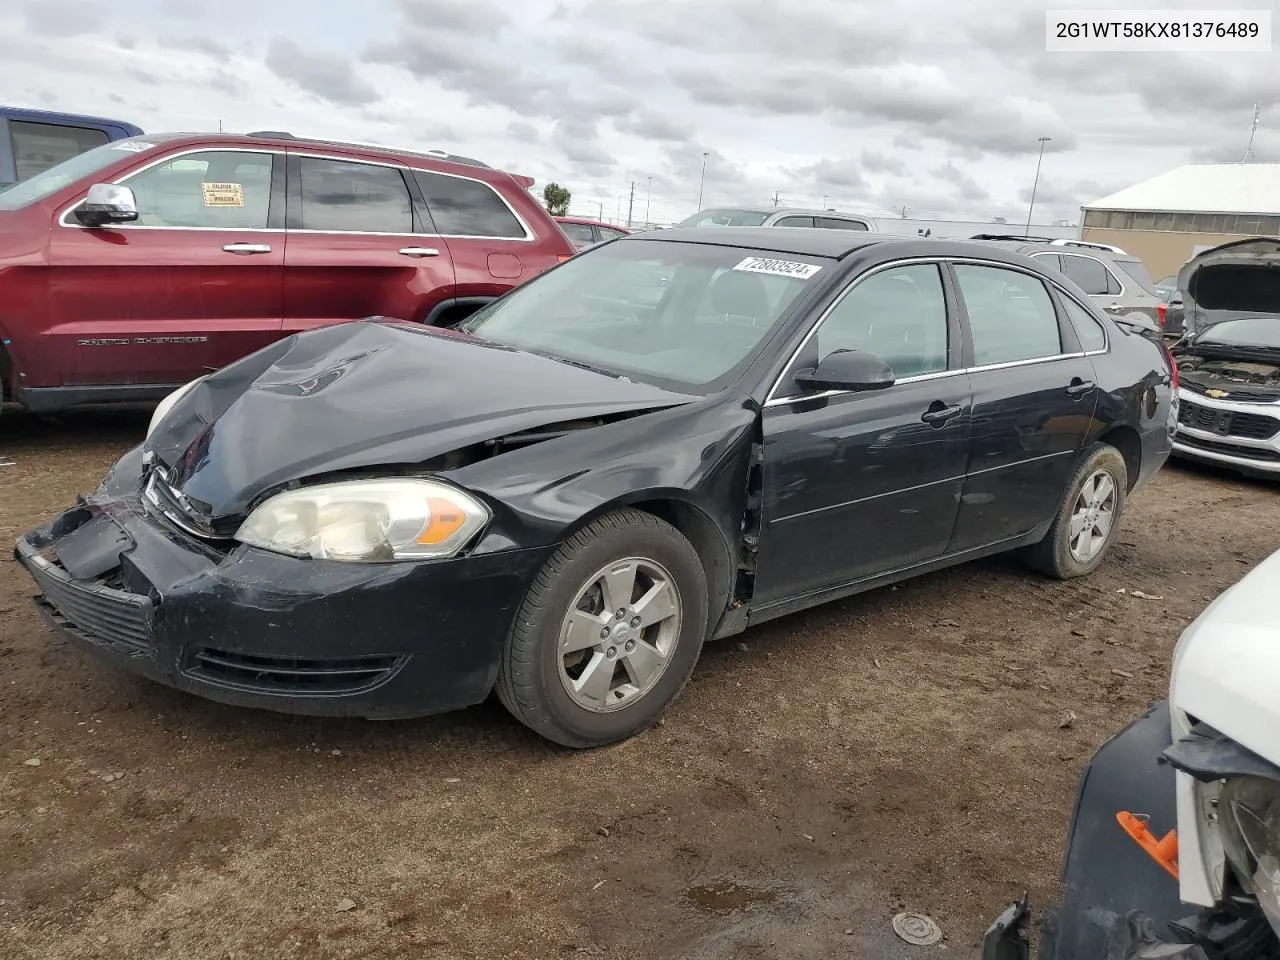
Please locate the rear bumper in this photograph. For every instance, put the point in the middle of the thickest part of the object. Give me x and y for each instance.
(252, 628)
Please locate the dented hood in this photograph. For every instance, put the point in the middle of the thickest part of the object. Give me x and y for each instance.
(366, 394)
(1238, 279)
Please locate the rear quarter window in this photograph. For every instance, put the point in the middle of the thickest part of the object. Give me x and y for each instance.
(467, 208)
(1089, 331)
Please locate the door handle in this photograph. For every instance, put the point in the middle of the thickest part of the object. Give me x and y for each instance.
(939, 413)
(1079, 387)
(1114, 308)
(419, 252)
(245, 249)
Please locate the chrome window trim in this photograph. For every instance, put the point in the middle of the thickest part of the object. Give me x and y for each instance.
(529, 236)
(772, 401)
(66, 211)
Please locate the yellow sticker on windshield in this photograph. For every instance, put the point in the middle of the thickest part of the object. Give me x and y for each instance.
(222, 194)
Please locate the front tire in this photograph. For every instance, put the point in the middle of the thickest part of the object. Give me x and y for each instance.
(1088, 517)
(608, 633)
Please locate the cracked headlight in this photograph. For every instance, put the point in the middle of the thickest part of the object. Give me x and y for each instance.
(367, 521)
(168, 403)
(1249, 808)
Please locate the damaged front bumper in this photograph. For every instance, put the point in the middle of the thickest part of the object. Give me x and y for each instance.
(253, 628)
(1117, 903)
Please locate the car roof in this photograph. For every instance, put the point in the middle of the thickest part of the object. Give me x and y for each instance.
(815, 212)
(589, 222)
(1035, 246)
(835, 244)
(55, 116)
(278, 138)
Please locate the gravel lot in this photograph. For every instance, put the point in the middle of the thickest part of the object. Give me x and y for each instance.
(900, 750)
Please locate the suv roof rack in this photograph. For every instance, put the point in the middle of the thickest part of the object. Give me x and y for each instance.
(1010, 236)
(1090, 245)
(433, 153)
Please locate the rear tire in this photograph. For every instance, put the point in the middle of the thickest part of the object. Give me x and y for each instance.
(1088, 517)
(608, 634)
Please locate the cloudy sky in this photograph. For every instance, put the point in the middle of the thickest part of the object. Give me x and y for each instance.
(932, 105)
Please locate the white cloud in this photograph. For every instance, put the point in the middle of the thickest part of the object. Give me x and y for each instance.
(931, 104)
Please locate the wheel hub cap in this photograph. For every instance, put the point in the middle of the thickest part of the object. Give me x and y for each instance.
(619, 634)
(1093, 516)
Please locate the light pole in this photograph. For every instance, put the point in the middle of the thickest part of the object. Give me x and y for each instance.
(1036, 182)
(703, 179)
(648, 197)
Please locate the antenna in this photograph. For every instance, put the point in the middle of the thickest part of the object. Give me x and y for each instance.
(1253, 130)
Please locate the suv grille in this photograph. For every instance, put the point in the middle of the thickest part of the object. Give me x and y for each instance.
(289, 674)
(1228, 423)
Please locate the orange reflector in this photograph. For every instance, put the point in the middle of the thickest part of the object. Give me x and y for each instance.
(445, 520)
(1163, 851)
(562, 257)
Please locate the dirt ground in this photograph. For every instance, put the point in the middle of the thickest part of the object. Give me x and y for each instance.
(900, 750)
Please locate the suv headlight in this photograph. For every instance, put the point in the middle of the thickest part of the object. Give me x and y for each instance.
(168, 403)
(1249, 809)
(367, 521)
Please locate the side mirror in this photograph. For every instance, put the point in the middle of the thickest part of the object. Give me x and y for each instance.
(107, 203)
(848, 370)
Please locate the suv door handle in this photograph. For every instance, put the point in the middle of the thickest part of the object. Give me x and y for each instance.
(939, 413)
(419, 252)
(244, 249)
(1080, 387)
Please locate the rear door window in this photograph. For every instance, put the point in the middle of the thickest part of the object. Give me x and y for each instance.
(39, 146)
(1011, 315)
(212, 189)
(579, 233)
(462, 207)
(342, 196)
(795, 222)
(1051, 260)
(1092, 277)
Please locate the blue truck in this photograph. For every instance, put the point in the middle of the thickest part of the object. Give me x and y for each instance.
(35, 140)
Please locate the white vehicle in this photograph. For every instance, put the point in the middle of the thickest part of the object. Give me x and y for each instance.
(1195, 785)
(1225, 717)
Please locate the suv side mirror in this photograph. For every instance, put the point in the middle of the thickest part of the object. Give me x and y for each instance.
(107, 203)
(847, 370)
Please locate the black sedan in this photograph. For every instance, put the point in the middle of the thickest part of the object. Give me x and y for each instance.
(667, 439)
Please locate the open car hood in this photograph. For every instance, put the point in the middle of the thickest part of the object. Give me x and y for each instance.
(1238, 279)
(366, 394)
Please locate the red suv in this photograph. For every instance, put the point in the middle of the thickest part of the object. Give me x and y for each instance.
(147, 262)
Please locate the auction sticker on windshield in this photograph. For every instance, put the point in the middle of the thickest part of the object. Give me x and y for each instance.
(778, 268)
(132, 146)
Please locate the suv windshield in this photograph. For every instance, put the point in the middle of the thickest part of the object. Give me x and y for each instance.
(1255, 332)
(682, 316)
(725, 218)
(50, 181)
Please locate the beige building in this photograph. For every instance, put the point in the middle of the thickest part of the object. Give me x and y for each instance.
(1168, 219)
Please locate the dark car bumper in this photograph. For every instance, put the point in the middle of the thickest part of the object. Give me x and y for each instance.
(253, 628)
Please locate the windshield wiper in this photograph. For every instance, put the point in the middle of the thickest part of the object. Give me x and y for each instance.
(577, 363)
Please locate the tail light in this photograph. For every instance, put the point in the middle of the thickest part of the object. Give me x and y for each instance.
(1162, 311)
